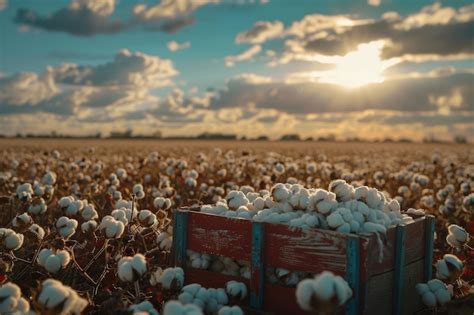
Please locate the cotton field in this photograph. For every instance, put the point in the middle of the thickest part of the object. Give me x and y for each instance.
(87, 227)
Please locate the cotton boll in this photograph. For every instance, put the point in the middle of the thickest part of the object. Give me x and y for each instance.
(144, 307)
(120, 215)
(49, 178)
(280, 193)
(236, 289)
(176, 308)
(89, 213)
(370, 227)
(343, 191)
(235, 199)
(24, 192)
(343, 290)
(304, 294)
(10, 296)
(38, 206)
(230, 310)
(449, 268)
(457, 236)
(66, 227)
(111, 227)
(335, 220)
(429, 299)
(10, 240)
(442, 296)
(22, 220)
(131, 268)
(37, 230)
(146, 218)
(53, 264)
(53, 294)
(172, 278)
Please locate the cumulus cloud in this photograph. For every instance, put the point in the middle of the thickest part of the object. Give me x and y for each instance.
(127, 68)
(260, 32)
(246, 55)
(3, 4)
(175, 46)
(374, 3)
(435, 32)
(407, 95)
(81, 18)
(104, 91)
(169, 15)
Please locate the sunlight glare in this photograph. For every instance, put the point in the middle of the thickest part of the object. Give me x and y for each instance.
(359, 67)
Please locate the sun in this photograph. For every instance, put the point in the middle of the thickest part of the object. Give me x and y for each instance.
(360, 67)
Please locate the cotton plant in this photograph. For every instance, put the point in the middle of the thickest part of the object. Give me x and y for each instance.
(111, 227)
(38, 206)
(22, 221)
(66, 227)
(131, 268)
(236, 290)
(457, 236)
(53, 260)
(324, 293)
(10, 240)
(12, 302)
(170, 278)
(144, 307)
(177, 308)
(449, 268)
(434, 293)
(55, 297)
(210, 300)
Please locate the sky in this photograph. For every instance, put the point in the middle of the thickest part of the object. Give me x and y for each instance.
(370, 69)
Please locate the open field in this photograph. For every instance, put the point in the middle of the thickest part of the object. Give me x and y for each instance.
(84, 181)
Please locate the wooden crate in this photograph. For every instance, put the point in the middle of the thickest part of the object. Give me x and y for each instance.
(386, 286)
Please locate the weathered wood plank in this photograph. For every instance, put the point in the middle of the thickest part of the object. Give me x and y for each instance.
(210, 279)
(379, 300)
(429, 243)
(180, 233)
(412, 276)
(398, 275)
(257, 266)
(414, 247)
(353, 274)
(310, 251)
(217, 235)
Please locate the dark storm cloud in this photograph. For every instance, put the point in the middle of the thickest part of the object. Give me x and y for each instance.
(446, 39)
(407, 95)
(80, 22)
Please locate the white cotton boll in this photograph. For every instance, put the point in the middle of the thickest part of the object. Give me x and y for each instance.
(343, 191)
(176, 308)
(66, 227)
(74, 207)
(373, 198)
(361, 192)
(131, 268)
(10, 295)
(259, 203)
(230, 310)
(394, 205)
(343, 290)
(64, 202)
(112, 228)
(49, 178)
(172, 277)
(304, 294)
(89, 226)
(43, 255)
(89, 213)
(324, 285)
(280, 193)
(37, 230)
(221, 296)
(435, 284)
(457, 236)
(10, 239)
(326, 206)
(421, 288)
(236, 289)
(53, 264)
(359, 217)
(354, 226)
(22, 220)
(24, 191)
(54, 293)
(344, 228)
(147, 218)
(64, 257)
(335, 220)
(144, 307)
(120, 215)
(185, 298)
(38, 206)
(442, 296)
(429, 299)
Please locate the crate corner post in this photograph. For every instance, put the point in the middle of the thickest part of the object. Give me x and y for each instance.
(180, 235)
(429, 246)
(353, 274)
(257, 266)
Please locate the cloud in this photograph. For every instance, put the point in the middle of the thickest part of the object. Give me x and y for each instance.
(260, 32)
(246, 55)
(433, 33)
(405, 95)
(80, 18)
(102, 92)
(175, 46)
(374, 3)
(132, 69)
(3, 4)
(168, 15)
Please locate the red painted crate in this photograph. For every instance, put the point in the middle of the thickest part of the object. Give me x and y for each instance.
(386, 286)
